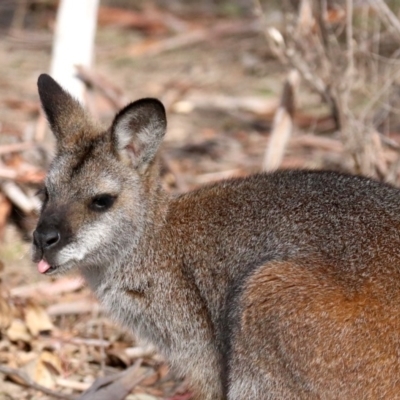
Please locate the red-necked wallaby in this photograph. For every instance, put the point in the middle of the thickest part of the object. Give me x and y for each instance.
(275, 286)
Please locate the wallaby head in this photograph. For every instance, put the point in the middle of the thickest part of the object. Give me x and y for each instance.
(96, 194)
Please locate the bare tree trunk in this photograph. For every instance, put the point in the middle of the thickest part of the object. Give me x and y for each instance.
(73, 42)
(72, 46)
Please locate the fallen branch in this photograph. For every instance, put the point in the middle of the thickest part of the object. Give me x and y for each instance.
(217, 176)
(73, 307)
(18, 197)
(390, 143)
(74, 385)
(140, 351)
(283, 125)
(29, 382)
(30, 107)
(15, 147)
(63, 285)
(55, 340)
(196, 36)
(8, 173)
(115, 387)
(149, 21)
(253, 104)
(321, 143)
(386, 14)
(32, 176)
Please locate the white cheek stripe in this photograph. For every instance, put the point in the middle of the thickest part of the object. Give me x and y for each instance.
(88, 240)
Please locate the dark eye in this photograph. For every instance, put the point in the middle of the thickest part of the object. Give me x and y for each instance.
(102, 202)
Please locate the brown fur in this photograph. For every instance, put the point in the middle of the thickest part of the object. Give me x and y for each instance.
(275, 286)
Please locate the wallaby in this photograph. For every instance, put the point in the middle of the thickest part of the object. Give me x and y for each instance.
(274, 286)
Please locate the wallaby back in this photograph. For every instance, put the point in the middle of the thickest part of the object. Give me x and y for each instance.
(275, 286)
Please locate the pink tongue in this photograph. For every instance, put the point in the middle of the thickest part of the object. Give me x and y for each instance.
(43, 266)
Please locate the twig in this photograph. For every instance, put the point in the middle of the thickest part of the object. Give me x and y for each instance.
(289, 56)
(29, 382)
(321, 143)
(217, 176)
(392, 144)
(116, 386)
(253, 104)
(350, 54)
(282, 126)
(18, 197)
(387, 14)
(8, 173)
(349, 35)
(100, 335)
(75, 307)
(378, 155)
(151, 48)
(305, 20)
(15, 147)
(70, 384)
(46, 288)
(102, 343)
(53, 341)
(384, 88)
(32, 176)
(17, 23)
(140, 351)
(393, 173)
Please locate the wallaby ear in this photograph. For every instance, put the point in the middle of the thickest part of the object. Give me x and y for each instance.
(138, 130)
(65, 114)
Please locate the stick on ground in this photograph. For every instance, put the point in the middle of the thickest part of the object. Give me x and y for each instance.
(29, 382)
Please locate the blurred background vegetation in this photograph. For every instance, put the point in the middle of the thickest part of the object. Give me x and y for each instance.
(248, 85)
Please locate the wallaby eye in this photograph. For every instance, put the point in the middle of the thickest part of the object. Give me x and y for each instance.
(102, 202)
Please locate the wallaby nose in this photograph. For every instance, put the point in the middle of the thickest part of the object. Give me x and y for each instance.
(47, 239)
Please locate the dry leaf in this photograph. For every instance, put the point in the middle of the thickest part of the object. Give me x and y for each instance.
(6, 314)
(37, 320)
(118, 356)
(52, 362)
(43, 370)
(18, 331)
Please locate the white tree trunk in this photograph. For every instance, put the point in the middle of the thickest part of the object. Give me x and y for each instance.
(73, 42)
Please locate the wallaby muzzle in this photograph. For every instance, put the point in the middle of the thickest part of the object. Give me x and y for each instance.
(49, 237)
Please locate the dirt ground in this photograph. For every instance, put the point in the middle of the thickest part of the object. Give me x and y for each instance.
(208, 139)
